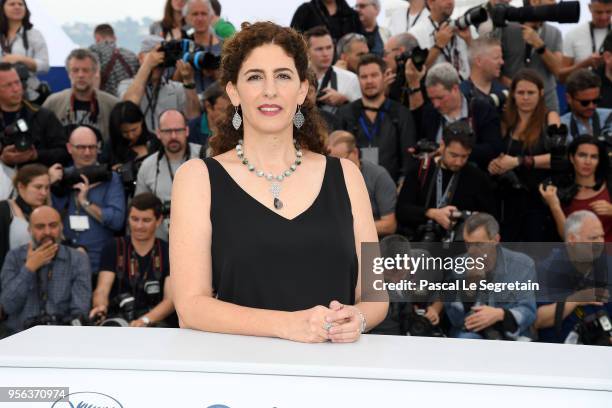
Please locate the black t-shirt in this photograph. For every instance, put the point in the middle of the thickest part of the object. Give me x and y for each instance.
(606, 89)
(9, 118)
(146, 271)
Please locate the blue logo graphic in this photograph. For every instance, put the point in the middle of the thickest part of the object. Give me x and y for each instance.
(88, 400)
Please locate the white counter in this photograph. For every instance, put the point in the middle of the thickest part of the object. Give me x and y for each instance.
(167, 367)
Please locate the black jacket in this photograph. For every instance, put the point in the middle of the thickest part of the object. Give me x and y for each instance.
(474, 192)
(314, 13)
(396, 134)
(48, 135)
(484, 120)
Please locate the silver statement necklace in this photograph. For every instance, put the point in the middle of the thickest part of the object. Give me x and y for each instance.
(275, 187)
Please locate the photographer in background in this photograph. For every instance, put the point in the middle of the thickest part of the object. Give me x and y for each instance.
(82, 104)
(447, 105)
(434, 192)
(215, 102)
(398, 53)
(536, 46)
(525, 161)
(29, 133)
(156, 174)
(130, 143)
(583, 96)
(380, 185)
(577, 279)
(137, 264)
(92, 211)
(383, 129)
(44, 282)
(582, 44)
(155, 94)
(350, 49)
(485, 56)
(198, 14)
(587, 188)
(505, 315)
(445, 42)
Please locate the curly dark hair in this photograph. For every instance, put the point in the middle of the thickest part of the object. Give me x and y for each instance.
(312, 135)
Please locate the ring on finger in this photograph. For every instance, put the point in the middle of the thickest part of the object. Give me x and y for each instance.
(327, 326)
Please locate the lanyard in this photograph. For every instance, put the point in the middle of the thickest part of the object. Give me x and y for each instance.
(380, 116)
(415, 19)
(450, 52)
(152, 98)
(442, 199)
(592, 30)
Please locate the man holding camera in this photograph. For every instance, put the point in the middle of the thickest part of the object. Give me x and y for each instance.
(28, 133)
(82, 104)
(487, 314)
(583, 96)
(438, 189)
(444, 41)
(485, 67)
(137, 264)
(537, 46)
(383, 128)
(336, 86)
(44, 282)
(577, 283)
(93, 209)
(447, 105)
(582, 45)
(156, 174)
(153, 92)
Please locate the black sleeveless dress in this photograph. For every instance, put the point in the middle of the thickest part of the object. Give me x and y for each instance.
(263, 260)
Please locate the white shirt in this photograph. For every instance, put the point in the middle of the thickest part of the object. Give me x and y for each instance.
(578, 43)
(6, 181)
(348, 84)
(424, 32)
(397, 19)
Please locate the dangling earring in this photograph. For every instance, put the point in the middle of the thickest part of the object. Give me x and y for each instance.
(298, 118)
(237, 119)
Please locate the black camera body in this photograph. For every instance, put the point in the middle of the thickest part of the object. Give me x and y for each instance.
(563, 12)
(166, 207)
(595, 329)
(17, 134)
(97, 173)
(418, 56)
(190, 52)
(425, 146)
(123, 311)
(474, 16)
(416, 324)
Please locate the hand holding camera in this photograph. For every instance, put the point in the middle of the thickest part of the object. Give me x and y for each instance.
(414, 76)
(154, 59)
(444, 34)
(442, 216)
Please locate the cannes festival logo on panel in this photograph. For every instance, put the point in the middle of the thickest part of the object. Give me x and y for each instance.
(88, 400)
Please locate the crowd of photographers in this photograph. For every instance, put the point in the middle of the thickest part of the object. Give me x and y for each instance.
(459, 126)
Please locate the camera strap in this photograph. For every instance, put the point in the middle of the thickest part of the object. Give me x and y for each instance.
(593, 45)
(416, 19)
(450, 52)
(364, 122)
(330, 77)
(115, 57)
(25, 208)
(128, 257)
(91, 117)
(152, 95)
(442, 198)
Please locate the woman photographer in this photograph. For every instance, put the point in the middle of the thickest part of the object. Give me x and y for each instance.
(130, 140)
(31, 183)
(23, 46)
(587, 188)
(172, 26)
(526, 161)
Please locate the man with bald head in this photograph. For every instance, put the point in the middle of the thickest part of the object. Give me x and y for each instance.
(380, 185)
(157, 171)
(44, 279)
(93, 210)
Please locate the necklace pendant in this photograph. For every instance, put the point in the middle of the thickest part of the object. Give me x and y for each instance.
(278, 204)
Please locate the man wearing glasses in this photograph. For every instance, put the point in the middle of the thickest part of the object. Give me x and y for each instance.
(583, 96)
(91, 212)
(368, 11)
(157, 171)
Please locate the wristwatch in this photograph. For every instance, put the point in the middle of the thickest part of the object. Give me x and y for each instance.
(190, 85)
(145, 320)
(541, 49)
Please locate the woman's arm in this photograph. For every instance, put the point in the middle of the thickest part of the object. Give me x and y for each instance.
(365, 231)
(191, 273)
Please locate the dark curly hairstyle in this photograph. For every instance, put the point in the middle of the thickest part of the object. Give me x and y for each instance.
(312, 135)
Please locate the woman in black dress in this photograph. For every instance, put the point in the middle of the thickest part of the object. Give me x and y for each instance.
(266, 235)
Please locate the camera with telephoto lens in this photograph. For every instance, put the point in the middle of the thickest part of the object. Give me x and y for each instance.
(595, 329)
(188, 51)
(557, 137)
(474, 16)
(418, 56)
(455, 232)
(563, 12)
(97, 173)
(416, 324)
(17, 134)
(123, 305)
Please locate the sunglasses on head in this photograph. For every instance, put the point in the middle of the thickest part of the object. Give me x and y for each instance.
(587, 102)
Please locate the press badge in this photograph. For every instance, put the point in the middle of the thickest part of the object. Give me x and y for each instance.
(370, 154)
(79, 223)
